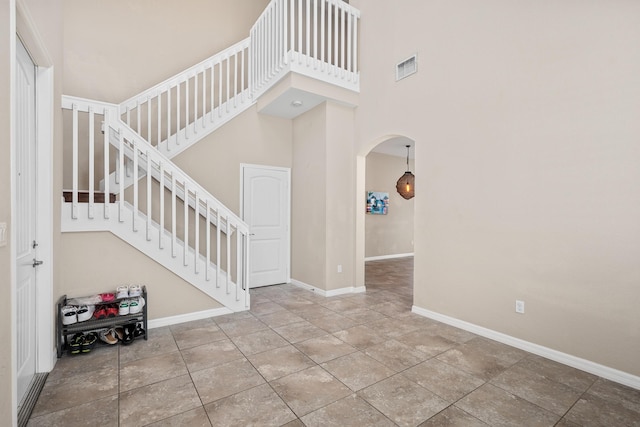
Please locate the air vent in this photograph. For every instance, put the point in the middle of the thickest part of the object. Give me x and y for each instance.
(407, 67)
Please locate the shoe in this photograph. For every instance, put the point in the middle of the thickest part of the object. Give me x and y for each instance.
(139, 332)
(122, 291)
(75, 344)
(135, 305)
(123, 307)
(128, 337)
(108, 336)
(69, 315)
(112, 310)
(107, 297)
(85, 312)
(119, 332)
(100, 313)
(135, 290)
(88, 343)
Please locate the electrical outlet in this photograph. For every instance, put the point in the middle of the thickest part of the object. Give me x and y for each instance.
(519, 306)
(339, 268)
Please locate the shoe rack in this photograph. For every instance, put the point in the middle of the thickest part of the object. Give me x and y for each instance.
(93, 325)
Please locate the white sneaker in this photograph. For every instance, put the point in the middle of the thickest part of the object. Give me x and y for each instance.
(135, 305)
(69, 315)
(123, 307)
(85, 312)
(135, 290)
(122, 291)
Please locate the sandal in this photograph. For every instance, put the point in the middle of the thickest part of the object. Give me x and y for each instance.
(108, 336)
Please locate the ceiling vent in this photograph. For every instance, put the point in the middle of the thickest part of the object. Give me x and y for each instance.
(407, 67)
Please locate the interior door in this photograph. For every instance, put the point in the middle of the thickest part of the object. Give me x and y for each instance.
(266, 208)
(25, 220)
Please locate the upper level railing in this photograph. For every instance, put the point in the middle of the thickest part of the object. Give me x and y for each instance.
(318, 38)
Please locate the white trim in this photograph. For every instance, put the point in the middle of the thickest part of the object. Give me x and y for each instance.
(549, 353)
(381, 257)
(188, 317)
(331, 292)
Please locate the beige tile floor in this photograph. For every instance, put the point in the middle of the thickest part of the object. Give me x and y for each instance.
(301, 359)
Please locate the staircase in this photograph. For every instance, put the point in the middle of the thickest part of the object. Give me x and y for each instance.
(127, 148)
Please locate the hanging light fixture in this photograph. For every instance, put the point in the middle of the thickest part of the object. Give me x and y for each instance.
(405, 184)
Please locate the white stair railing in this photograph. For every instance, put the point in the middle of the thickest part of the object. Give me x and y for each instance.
(317, 38)
(188, 106)
(185, 221)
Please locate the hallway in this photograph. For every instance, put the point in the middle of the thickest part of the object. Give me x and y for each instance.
(301, 359)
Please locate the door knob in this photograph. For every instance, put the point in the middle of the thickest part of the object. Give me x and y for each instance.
(37, 263)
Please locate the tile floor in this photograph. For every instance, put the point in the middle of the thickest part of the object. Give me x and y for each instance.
(301, 359)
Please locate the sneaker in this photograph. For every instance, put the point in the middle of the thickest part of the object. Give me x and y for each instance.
(123, 307)
(101, 312)
(135, 305)
(112, 310)
(75, 344)
(122, 291)
(85, 312)
(69, 315)
(88, 343)
(135, 290)
(107, 297)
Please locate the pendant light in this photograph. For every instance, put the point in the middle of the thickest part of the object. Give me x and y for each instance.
(405, 184)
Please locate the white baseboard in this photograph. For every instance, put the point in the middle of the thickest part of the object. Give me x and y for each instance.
(549, 353)
(381, 257)
(188, 317)
(331, 292)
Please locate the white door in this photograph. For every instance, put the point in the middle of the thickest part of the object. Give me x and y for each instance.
(266, 207)
(25, 219)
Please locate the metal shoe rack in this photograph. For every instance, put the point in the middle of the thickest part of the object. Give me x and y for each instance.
(63, 331)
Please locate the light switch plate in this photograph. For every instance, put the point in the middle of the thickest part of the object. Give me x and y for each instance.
(3, 234)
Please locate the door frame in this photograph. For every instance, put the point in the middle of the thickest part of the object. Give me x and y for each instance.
(244, 166)
(44, 133)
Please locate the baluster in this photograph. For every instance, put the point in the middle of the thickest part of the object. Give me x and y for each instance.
(187, 118)
(168, 119)
(138, 127)
(91, 162)
(208, 242)
(292, 24)
(227, 60)
(315, 34)
(329, 32)
(242, 75)
(107, 136)
(355, 48)
(161, 203)
(186, 223)
(342, 40)
(128, 116)
(349, 31)
(285, 32)
(196, 232)
(121, 175)
(218, 225)
(178, 107)
(159, 103)
(238, 263)
(220, 89)
(235, 79)
(213, 85)
(173, 215)
(299, 47)
(148, 196)
(308, 35)
(195, 104)
(336, 25)
(228, 241)
(135, 187)
(149, 120)
(74, 184)
(204, 96)
(322, 33)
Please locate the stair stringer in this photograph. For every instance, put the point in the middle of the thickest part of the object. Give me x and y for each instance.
(216, 286)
